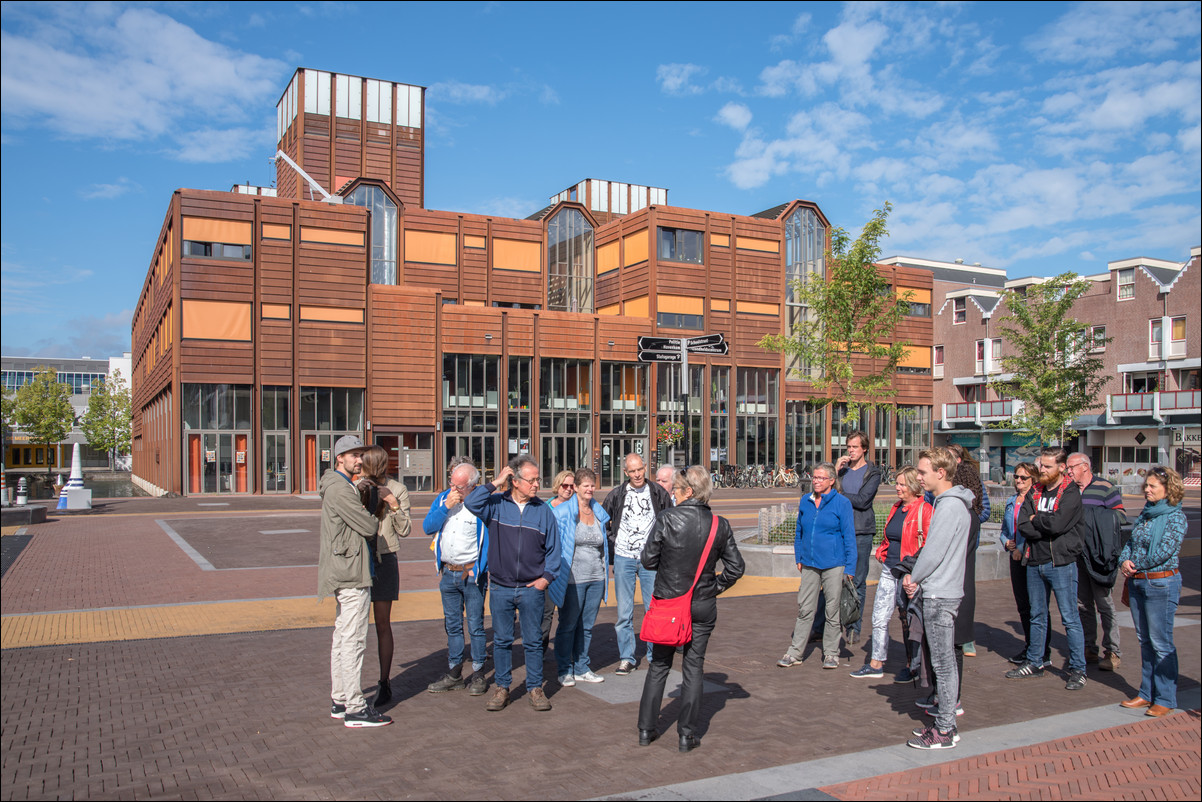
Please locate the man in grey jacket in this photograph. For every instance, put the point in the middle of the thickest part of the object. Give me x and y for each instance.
(939, 572)
(344, 572)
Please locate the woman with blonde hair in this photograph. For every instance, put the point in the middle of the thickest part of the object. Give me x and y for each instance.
(904, 536)
(386, 580)
(1150, 563)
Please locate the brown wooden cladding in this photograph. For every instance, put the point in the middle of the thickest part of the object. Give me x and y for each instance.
(275, 351)
(748, 331)
(330, 354)
(332, 275)
(519, 332)
(408, 184)
(209, 361)
(464, 327)
(607, 289)
(404, 375)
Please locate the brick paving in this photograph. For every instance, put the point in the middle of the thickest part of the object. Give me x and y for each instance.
(1152, 759)
(244, 714)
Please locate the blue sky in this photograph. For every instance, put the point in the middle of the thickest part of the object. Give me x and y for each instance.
(1038, 137)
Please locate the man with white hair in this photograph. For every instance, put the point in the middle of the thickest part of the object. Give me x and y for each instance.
(632, 508)
(1097, 567)
(664, 478)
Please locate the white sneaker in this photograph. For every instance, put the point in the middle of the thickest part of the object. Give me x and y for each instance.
(567, 680)
(589, 676)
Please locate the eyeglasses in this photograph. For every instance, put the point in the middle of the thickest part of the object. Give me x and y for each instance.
(534, 481)
(1076, 465)
(821, 478)
(568, 486)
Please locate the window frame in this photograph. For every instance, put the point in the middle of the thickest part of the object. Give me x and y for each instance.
(959, 311)
(678, 245)
(1124, 282)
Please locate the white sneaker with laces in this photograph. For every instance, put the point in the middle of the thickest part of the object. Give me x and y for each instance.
(567, 680)
(589, 676)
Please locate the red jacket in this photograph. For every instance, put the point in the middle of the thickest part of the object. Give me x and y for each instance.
(911, 539)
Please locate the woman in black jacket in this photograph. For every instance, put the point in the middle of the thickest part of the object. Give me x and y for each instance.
(673, 550)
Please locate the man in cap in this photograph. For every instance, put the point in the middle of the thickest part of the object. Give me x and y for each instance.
(344, 572)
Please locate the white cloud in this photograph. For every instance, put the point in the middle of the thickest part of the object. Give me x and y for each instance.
(1094, 33)
(675, 79)
(116, 189)
(735, 115)
(222, 145)
(459, 92)
(133, 74)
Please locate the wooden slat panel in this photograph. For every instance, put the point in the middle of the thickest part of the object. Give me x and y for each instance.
(405, 378)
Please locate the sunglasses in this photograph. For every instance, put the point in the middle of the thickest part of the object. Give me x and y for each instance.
(568, 486)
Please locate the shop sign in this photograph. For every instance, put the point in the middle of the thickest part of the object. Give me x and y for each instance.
(1187, 437)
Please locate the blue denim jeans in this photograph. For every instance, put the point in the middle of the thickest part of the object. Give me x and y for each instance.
(460, 594)
(1063, 582)
(626, 570)
(577, 615)
(527, 604)
(1153, 606)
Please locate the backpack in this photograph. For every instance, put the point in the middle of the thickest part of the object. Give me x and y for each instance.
(1103, 542)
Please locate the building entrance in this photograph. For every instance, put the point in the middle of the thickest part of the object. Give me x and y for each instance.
(217, 462)
(613, 456)
(411, 457)
(564, 452)
(275, 463)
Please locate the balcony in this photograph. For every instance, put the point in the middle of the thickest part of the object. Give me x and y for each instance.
(980, 413)
(1156, 405)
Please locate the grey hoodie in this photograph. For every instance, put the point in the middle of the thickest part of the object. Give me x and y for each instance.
(940, 565)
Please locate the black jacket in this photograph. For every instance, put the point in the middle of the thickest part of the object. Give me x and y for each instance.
(1056, 537)
(615, 503)
(861, 503)
(674, 548)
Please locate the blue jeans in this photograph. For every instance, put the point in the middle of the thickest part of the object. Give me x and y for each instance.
(461, 594)
(577, 615)
(626, 570)
(527, 604)
(1063, 582)
(1153, 606)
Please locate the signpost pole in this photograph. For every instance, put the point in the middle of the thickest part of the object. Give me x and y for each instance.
(684, 391)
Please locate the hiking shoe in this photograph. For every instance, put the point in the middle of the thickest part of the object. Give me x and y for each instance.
(566, 680)
(367, 717)
(449, 682)
(500, 698)
(539, 700)
(1076, 681)
(904, 676)
(933, 710)
(477, 686)
(624, 668)
(336, 710)
(932, 738)
(919, 731)
(866, 671)
(1025, 671)
(589, 676)
(830, 661)
(1110, 662)
(788, 661)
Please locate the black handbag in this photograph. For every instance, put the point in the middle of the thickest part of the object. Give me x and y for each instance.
(849, 603)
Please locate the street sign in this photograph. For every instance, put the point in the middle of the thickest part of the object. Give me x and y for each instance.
(659, 356)
(721, 349)
(708, 339)
(658, 343)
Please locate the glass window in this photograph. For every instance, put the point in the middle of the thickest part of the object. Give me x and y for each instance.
(217, 250)
(805, 434)
(672, 320)
(805, 260)
(569, 262)
(1127, 284)
(680, 245)
(755, 416)
(216, 406)
(383, 230)
(919, 310)
(959, 310)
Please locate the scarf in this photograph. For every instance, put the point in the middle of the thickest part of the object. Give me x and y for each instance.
(1155, 517)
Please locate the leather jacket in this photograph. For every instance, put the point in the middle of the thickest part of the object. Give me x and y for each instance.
(674, 548)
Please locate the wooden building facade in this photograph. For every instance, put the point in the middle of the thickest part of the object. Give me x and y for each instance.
(269, 326)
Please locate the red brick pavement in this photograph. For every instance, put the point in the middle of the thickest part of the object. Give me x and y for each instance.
(1152, 759)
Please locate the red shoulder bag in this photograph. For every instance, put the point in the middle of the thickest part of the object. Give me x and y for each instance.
(669, 622)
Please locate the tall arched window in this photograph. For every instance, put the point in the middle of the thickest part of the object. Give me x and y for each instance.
(383, 230)
(570, 262)
(805, 261)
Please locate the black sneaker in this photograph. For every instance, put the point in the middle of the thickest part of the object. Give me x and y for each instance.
(367, 717)
(1025, 671)
(1019, 658)
(928, 703)
(1076, 681)
(337, 711)
(920, 731)
(904, 676)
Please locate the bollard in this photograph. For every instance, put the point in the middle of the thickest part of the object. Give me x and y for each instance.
(22, 492)
(62, 499)
(3, 487)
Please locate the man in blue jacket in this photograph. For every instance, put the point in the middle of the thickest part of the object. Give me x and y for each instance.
(461, 554)
(523, 560)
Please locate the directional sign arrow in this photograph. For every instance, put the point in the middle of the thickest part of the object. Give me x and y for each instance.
(707, 339)
(658, 343)
(722, 349)
(659, 356)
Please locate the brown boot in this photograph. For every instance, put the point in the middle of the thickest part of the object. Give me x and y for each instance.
(1158, 711)
(539, 700)
(1110, 662)
(500, 698)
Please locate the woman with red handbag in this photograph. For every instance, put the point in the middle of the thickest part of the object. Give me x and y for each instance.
(683, 547)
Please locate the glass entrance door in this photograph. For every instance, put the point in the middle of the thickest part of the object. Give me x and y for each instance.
(275, 463)
(318, 456)
(218, 462)
(564, 452)
(613, 457)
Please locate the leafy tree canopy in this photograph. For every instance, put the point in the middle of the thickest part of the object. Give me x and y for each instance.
(106, 423)
(43, 410)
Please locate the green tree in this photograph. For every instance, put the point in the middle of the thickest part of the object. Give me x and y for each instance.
(8, 403)
(1055, 376)
(106, 423)
(43, 410)
(845, 341)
